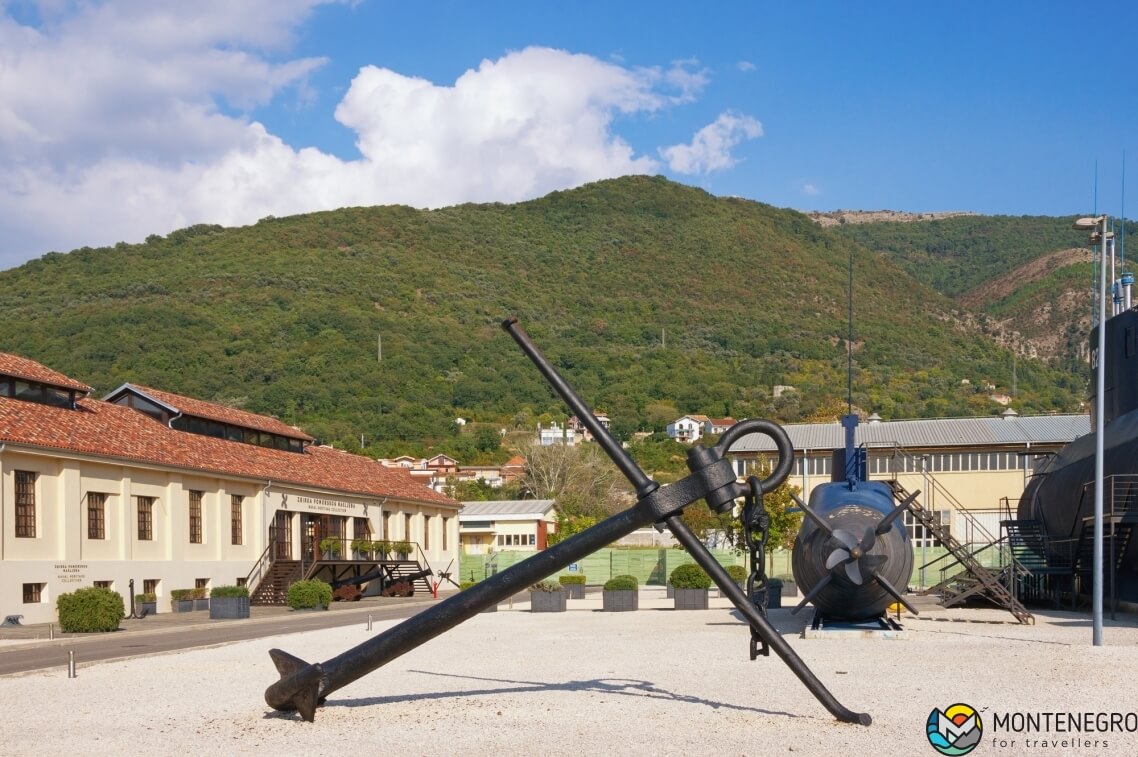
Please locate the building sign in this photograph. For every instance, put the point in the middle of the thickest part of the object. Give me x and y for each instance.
(71, 573)
(309, 504)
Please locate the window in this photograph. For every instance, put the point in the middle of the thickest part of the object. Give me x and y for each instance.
(235, 518)
(145, 507)
(33, 593)
(241, 581)
(446, 527)
(96, 515)
(426, 532)
(150, 585)
(407, 526)
(361, 528)
(195, 517)
(26, 505)
(201, 583)
(501, 540)
(532, 540)
(103, 584)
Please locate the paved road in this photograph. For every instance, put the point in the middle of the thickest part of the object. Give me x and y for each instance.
(168, 632)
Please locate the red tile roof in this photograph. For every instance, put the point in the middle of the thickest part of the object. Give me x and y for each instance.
(105, 429)
(22, 367)
(223, 413)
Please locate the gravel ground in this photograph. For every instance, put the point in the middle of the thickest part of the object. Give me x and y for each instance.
(650, 682)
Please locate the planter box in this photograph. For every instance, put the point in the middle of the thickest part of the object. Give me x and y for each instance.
(691, 599)
(201, 604)
(182, 605)
(789, 589)
(671, 591)
(574, 591)
(142, 609)
(620, 601)
(491, 608)
(547, 601)
(773, 598)
(228, 608)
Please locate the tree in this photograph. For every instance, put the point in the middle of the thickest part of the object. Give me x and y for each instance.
(580, 478)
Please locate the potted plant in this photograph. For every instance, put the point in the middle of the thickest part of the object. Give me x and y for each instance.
(330, 547)
(182, 600)
(574, 585)
(546, 596)
(774, 593)
(361, 548)
(402, 548)
(620, 594)
(200, 597)
(739, 575)
(691, 585)
(229, 602)
(382, 548)
(145, 604)
(789, 586)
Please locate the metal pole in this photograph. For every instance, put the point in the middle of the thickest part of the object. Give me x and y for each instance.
(1100, 406)
(71, 664)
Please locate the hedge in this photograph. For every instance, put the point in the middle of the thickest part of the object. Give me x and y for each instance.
(689, 576)
(306, 594)
(90, 610)
(622, 583)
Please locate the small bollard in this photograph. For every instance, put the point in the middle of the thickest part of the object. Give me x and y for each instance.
(51, 631)
(71, 664)
(369, 621)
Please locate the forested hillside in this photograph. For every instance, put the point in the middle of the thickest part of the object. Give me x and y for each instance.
(654, 299)
(1030, 277)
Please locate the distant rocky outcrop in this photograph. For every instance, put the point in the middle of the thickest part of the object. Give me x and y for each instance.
(836, 217)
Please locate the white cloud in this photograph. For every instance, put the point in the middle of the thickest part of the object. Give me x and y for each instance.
(112, 128)
(745, 66)
(710, 148)
(810, 190)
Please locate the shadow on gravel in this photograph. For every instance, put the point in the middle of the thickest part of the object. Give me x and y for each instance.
(614, 686)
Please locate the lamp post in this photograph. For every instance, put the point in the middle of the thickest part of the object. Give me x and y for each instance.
(1097, 225)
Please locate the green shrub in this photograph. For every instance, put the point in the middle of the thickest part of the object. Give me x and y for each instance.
(622, 583)
(229, 591)
(178, 595)
(199, 592)
(382, 548)
(148, 597)
(571, 579)
(774, 583)
(331, 545)
(689, 576)
(90, 610)
(361, 545)
(464, 585)
(737, 572)
(305, 594)
(402, 548)
(546, 586)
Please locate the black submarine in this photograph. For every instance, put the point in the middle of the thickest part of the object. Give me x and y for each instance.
(852, 556)
(1060, 496)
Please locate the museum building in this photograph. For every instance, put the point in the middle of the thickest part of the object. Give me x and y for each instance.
(174, 492)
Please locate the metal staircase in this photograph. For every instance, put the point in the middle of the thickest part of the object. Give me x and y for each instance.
(273, 587)
(974, 579)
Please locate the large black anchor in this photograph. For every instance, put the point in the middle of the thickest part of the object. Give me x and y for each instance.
(303, 686)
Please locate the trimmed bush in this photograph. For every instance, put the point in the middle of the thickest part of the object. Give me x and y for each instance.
(622, 583)
(545, 586)
(307, 594)
(689, 576)
(572, 579)
(220, 592)
(774, 583)
(402, 548)
(199, 593)
(149, 597)
(737, 572)
(177, 595)
(90, 610)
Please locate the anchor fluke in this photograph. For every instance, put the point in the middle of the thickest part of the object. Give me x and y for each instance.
(299, 686)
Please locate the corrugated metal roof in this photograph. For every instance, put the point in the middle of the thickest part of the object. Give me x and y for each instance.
(940, 432)
(506, 507)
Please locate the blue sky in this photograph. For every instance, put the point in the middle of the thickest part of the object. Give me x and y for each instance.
(123, 119)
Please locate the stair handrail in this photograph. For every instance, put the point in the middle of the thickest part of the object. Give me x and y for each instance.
(972, 523)
(257, 574)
